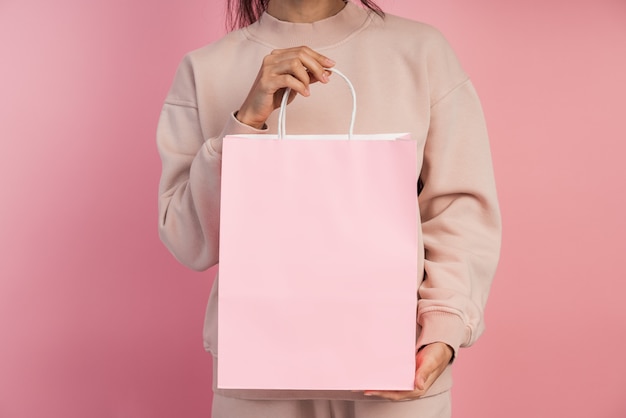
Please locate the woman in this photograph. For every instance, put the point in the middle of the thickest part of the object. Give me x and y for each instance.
(408, 80)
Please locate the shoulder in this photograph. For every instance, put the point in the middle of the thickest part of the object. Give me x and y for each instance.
(408, 31)
(420, 46)
(205, 63)
(416, 41)
(216, 51)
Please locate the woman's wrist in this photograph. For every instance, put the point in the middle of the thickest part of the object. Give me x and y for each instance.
(240, 116)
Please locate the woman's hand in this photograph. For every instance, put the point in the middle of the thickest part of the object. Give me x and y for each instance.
(430, 362)
(295, 68)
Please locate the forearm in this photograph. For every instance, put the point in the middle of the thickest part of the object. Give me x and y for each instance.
(460, 222)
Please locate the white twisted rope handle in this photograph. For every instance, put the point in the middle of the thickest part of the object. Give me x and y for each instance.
(283, 107)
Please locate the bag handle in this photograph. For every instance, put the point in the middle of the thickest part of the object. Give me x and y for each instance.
(283, 107)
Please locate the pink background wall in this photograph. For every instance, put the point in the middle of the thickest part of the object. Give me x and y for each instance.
(98, 320)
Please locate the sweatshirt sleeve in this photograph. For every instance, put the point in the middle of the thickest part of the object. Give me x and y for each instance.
(189, 190)
(460, 217)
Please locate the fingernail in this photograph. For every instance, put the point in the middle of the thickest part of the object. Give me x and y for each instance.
(331, 62)
(325, 77)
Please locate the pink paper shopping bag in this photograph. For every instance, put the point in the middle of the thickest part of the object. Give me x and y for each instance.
(318, 262)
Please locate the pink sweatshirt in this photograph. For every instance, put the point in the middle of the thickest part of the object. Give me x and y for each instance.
(407, 79)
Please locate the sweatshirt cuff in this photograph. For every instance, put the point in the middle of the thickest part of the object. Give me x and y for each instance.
(438, 326)
(233, 127)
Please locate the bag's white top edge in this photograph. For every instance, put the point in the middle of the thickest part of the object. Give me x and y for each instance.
(341, 137)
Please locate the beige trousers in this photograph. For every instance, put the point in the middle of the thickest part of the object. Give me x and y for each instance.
(437, 406)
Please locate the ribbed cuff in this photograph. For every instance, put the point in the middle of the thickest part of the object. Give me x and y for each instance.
(445, 327)
(233, 127)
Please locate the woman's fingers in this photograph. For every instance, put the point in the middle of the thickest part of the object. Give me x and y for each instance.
(295, 76)
(304, 64)
(315, 64)
(293, 68)
(431, 361)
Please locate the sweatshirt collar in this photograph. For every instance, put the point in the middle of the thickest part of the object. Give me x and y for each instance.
(321, 34)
